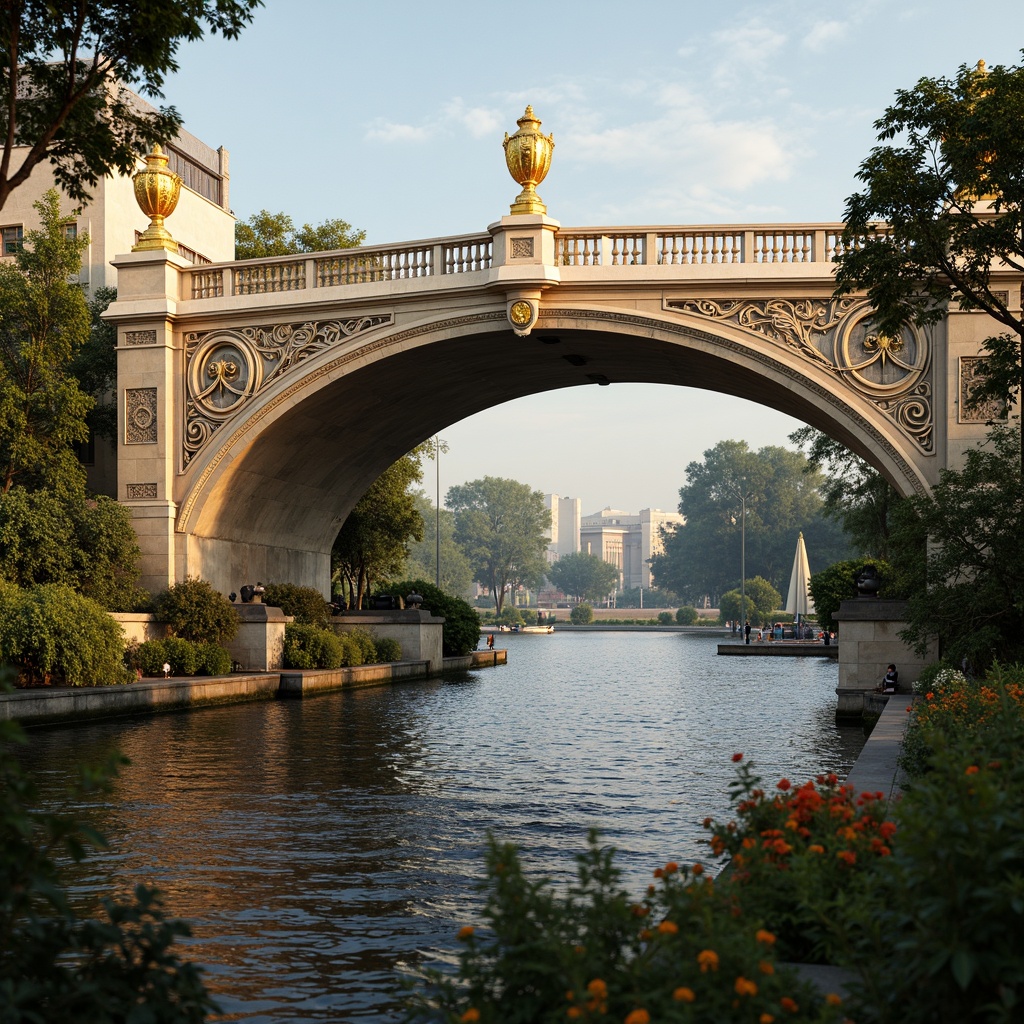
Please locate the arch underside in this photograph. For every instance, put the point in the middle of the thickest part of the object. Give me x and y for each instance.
(275, 480)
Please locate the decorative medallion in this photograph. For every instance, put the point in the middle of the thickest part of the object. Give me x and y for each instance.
(522, 248)
(138, 491)
(968, 411)
(226, 368)
(140, 337)
(140, 420)
(838, 336)
(520, 313)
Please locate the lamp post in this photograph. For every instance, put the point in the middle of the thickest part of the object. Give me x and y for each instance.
(437, 511)
(743, 554)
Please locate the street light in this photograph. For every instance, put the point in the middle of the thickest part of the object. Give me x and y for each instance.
(742, 494)
(439, 446)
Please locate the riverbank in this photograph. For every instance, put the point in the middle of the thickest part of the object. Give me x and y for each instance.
(79, 703)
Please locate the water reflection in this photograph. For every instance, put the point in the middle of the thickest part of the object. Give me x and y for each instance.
(317, 845)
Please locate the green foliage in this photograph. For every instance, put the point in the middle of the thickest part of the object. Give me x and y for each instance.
(762, 599)
(665, 618)
(686, 616)
(66, 105)
(45, 323)
(853, 494)
(456, 574)
(367, 646)
(52, 635)
(197, 612)
(351, 651)
(184, 657)
(58, 964)
(510, 615)
(307, 646)
(581, 615)
(267, 234)
(373, 542)
(95, 366)
(306, 604)
(594, 953)
(830, 587)
(651, 597)
(583, 577)
(922, 233)
(461, 630)
(388, 649)
(703, 557)
(501, 525)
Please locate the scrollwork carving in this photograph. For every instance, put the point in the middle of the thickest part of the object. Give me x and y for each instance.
(970, 378)
(140, 416)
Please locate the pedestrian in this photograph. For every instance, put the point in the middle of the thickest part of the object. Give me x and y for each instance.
(746, 630)
(490, 641)
(167, 670)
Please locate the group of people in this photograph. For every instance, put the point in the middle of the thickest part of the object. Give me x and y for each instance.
(775, 631)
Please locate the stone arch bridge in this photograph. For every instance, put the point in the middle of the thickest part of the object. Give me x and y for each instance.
(259, 399)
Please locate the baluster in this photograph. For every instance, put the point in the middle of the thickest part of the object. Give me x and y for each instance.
(704, 248)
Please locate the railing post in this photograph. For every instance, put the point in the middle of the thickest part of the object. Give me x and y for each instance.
(437, 262)
(651, 249)
(819, 255)
(311, 281)
(747, 256)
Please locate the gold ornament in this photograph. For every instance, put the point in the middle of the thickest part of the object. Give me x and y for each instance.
(156, 191)
(528, 156)
(520, 313)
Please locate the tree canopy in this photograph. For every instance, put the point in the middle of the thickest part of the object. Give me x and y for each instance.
(941, 215)
(267, 234)
(501, 524)
(63, 68)
(456, 574)
(583, 576)
(703, 556)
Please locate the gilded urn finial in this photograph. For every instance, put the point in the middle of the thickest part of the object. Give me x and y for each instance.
(156, 191)
(528, 156)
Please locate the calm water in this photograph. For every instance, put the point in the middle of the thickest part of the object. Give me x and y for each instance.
(322, 847)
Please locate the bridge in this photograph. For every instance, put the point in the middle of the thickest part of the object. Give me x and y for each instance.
(259, 399)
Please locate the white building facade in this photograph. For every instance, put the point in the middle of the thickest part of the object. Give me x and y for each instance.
(627, 541)
(564, 532)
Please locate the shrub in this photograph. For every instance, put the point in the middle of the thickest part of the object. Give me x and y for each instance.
(510, 616)
(388, 649)
(195, 611)
(581, 614)
(52, 635)
(595, 954)
(311, 647)
(305, 604)
(367, 646)
(182, 655)
(461, 631)
(351, 651)
(213, 660)
(665, 618)
(687, 615)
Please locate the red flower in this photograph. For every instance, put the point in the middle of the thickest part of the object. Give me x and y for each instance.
(784, 784)
(737, 757)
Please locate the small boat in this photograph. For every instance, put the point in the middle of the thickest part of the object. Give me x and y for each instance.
(535, 629)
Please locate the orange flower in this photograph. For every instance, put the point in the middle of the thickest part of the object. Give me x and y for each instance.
(788, 1004)
(472, 1014)
(765, 936)
(815, 848)
(745, 987)
(697, 869)
(684, 995)
(972, 769)
(466, 932)
(668, 928)
(708, 960)
(765, 967)
(638, 1017)
(784, 784)
(766, 1018)
(848, 856)
(598, 989)
(573, 1012)
(671, 867)
(833, 1000)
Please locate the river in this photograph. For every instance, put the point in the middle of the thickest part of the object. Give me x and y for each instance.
(323, 847)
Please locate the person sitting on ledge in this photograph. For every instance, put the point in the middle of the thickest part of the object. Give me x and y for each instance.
(890, 681)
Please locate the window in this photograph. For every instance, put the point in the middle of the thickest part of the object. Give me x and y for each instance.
(12, 238)
(71, 231)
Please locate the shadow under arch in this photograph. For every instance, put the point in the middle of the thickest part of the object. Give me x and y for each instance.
(269, 492)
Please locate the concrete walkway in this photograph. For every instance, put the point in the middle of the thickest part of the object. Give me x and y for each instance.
(876, 770)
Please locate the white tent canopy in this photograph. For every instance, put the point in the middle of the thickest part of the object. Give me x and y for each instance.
(799, 601)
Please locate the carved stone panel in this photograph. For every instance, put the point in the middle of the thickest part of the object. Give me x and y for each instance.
(522, 248)
(137, 491)
(140, 337)
(983, 412)
(140, 416)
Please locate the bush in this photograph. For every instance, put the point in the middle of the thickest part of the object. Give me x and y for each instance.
(388, 649)
(595, 954)
(351, 651)
(366, 643)
(687, 615)
(54, 636)
(665, 618)
(195, 611)
(305, 604)
(184, 657)
(581, 614)
(311, 647)
(213, 660)
(461, 632)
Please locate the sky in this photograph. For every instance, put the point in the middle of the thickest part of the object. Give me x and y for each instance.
(391, 116)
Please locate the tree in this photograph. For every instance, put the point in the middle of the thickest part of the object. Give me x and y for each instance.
(45, 323)
(373, 543)
(501, 525)
(197, 613)
(583, 576)
(267, 234)
(703, 556)
(762, 601)
(853, 494)
(838, 583)
(456, 574)
(63, 68)
(95, 366)
(942, 212)
(55, 963)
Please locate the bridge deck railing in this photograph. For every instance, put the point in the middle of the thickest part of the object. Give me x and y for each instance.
(574, 247)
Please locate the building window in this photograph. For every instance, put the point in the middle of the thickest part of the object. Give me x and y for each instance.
(71, 231)
(12, 239)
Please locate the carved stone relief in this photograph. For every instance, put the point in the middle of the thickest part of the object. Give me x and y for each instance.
(522, 248)
(140, 337)
(140, 418)
(136, 491)
(983, 412)
(837, 335)
(226, 368)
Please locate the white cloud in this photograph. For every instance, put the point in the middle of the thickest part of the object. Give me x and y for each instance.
(824, 34)
(478, 121)
(387, 131)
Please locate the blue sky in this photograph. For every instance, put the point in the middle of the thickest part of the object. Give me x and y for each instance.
(391, 116)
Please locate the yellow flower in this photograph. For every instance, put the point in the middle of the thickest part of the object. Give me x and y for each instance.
(638, 1017)
(708, 960)
(684, 995)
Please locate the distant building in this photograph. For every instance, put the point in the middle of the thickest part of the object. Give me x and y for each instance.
(564, 533)
(627, 541)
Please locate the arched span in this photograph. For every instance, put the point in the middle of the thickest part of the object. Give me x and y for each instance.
(285, 472)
